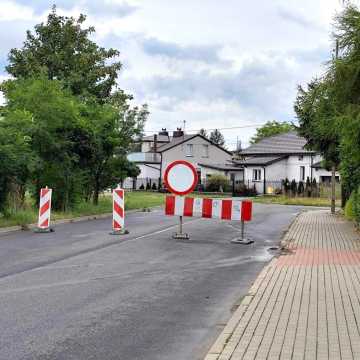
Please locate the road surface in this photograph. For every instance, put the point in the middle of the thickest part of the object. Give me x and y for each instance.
(80, 293)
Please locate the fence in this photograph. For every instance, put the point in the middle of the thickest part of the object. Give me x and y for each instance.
(244, 188)
(314, 189)
(205, 185)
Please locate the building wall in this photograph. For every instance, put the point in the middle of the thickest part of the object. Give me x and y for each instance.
(216, 155)
(293, 167)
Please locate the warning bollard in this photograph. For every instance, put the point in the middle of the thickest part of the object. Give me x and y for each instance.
(118, 212)
(44, 211)
(246, 215)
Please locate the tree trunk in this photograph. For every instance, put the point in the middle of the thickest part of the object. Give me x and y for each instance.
(96, 193)
(333, 169)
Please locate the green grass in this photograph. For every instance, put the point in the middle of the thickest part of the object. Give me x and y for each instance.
(133, 200)
(283, 200)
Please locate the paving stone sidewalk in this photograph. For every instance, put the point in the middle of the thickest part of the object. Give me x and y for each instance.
(306, 303)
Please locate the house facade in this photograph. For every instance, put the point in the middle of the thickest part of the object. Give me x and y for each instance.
(270, 161)
(263, 166)
(159, 150)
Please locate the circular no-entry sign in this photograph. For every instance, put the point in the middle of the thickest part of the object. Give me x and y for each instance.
(180, 177)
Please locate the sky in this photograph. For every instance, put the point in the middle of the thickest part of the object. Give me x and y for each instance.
(214, 64)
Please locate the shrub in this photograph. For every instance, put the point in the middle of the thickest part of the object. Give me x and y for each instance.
(308, 187)
(286, 186)
(217, 183)
(142, 187)
(350, 208)
(148, 186)
(300, 188)
(314, 188)
(153, 187)
(293, 187)
(243, 190)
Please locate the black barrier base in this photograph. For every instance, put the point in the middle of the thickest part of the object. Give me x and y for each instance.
(119, 232)
(43, 231)
(181, 236)
(242, 241)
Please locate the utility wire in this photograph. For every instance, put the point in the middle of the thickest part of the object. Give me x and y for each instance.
(211, 129)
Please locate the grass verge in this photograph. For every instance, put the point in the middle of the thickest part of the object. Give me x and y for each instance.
(283, 200)
(133, 200)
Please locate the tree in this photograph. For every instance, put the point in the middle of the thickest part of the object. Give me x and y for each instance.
(16, 159)
(271, 128)
(81, 125)
(111, 129)
(203, 132)
(52, 124)
(61, 49)
(217, 137)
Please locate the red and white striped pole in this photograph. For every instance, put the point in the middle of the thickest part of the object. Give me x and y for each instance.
(44, 210)
(119, 212)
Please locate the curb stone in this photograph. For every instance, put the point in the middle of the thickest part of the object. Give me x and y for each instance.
(26, 227)
(223, 339)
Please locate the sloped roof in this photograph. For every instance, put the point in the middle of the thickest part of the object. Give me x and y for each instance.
(288, 143)
(225, 167)
(260, 160)
(175, 141)
(181, 139)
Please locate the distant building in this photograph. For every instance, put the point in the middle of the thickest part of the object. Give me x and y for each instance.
(278, 157)
(263, 165)
(158, 150)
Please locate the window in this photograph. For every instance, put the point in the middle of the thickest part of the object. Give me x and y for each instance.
(302, 173)
(256, 174)
(189, 150)
(206, 151)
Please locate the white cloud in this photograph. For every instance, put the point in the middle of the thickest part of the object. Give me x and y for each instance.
(215, 65)
(11, 11)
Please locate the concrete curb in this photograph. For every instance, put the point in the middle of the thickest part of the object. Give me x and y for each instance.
(217, 348)
(11, 229)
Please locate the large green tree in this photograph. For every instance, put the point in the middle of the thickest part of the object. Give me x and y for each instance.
(271, 128)
(82, 125)
(328, 109)
(52, 129)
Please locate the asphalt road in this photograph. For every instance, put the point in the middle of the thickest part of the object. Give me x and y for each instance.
(80, 293)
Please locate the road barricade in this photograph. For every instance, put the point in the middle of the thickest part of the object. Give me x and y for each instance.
(118, 223)
(44, 211)
(223, 209)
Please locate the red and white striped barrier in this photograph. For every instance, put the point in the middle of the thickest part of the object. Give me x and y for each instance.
(118, 211)
(45, 209)
(209, 208)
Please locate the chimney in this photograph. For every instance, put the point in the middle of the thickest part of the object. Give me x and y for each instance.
(164, 132)
(178, 133)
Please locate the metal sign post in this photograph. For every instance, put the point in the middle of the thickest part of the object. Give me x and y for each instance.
(246, 215)
(180, 178)
(180, 234)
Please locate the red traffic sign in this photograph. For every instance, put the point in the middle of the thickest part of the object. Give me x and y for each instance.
(180, 177)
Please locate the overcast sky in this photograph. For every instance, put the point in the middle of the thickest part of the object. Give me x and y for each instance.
(212, 63)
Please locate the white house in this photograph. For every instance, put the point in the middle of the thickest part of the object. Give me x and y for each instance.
(278, 157)
(158, 150)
